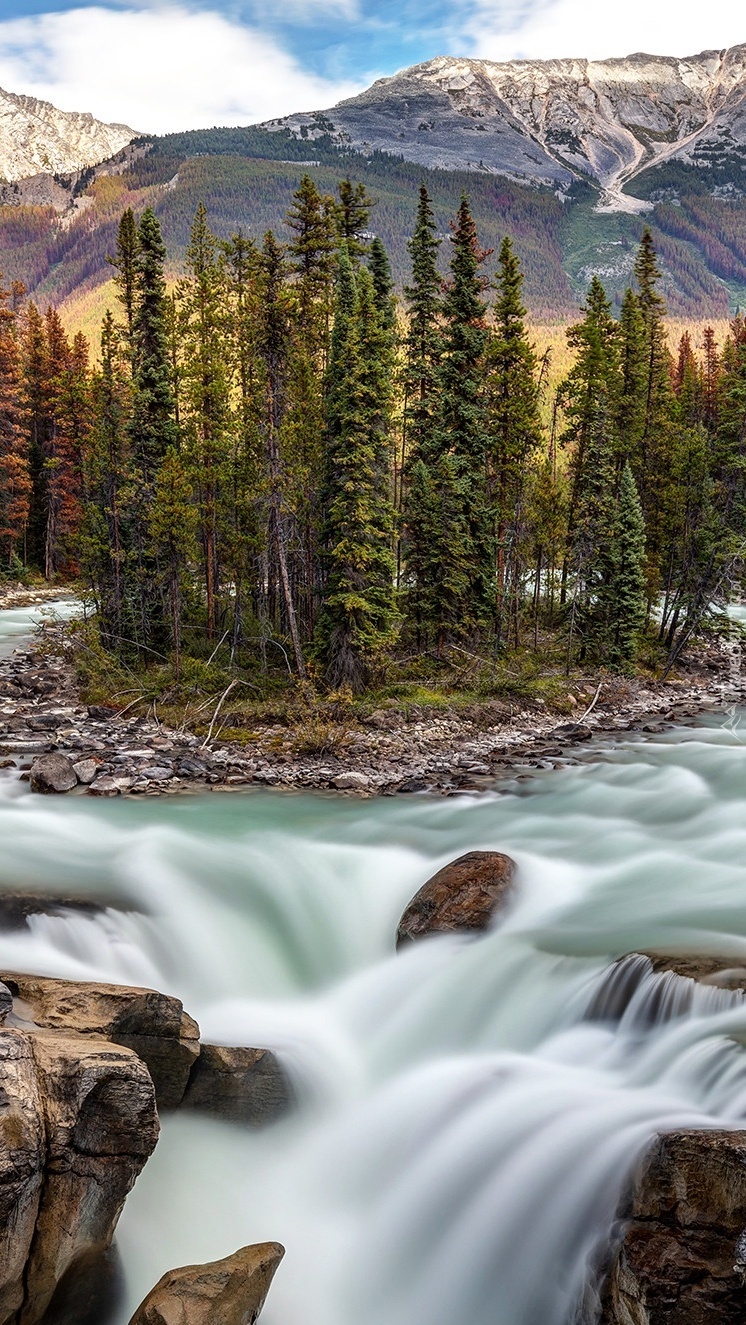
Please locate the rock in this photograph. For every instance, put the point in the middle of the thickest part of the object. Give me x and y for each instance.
(156, 773)
(464, 895)
(17, 908)
(86, 770)
(101, 1126)
(22, 1155)
(684, 1220)
(240, 1085)
(154, 1025)
(227, 1292)
(351, 781)
(53, 773)
(6, 1003)
(104, 786)
(101, 712)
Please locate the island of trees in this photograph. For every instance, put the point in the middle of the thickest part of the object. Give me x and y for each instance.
(279, 462)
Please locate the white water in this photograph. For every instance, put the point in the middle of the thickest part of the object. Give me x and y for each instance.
(463, 1132)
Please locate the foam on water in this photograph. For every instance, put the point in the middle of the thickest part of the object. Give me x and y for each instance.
(466, 1119)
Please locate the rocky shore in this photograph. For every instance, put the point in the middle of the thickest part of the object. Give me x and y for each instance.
(103, 752)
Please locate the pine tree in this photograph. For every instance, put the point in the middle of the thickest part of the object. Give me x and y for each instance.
(358, 616)
(153, 424)
(205, 385)
(313, 255)
(383, 285)
(591, 548)
(514, 426)
(424, 340)
(15, 476)
(126, 264)
(625, 593)
(173, 524)
(353, 213)
(460, 444)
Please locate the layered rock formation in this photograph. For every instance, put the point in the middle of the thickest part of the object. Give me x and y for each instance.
(548, 121)
(681, 1257)
(154, 1025)
(78, 1121)
(38, 139)
(239, 1085)
(465, 895)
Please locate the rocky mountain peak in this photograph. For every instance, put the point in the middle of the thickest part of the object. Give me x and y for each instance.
(549, 121)
(36, 138)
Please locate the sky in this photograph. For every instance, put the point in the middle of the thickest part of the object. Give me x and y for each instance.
(162, 65)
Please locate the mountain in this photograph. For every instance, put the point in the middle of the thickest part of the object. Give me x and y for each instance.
(549, 122)
(562, 155)
(37, 139)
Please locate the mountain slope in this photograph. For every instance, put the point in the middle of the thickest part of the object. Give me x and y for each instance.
(549, 122)
(36, 138)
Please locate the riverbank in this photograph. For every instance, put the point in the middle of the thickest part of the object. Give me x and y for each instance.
(462, 748)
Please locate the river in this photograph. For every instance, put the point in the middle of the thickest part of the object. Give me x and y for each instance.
(464, 1129)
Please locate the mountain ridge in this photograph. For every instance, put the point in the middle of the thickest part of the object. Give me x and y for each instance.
(36, 138)
(548, 122)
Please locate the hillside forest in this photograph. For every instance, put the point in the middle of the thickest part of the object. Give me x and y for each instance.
(282, 465)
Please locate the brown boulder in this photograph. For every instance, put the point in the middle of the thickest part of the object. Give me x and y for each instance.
(101, 1126)
(239, 1085)
(154, 1025)
(681, 1253)
(465, 895)
(231, 1291)
(52, 773)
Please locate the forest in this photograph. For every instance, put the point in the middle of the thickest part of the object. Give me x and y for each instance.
(281, 464)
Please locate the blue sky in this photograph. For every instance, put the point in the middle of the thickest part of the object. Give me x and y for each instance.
(169, 64)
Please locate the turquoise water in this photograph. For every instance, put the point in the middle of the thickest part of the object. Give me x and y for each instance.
(463, 1131)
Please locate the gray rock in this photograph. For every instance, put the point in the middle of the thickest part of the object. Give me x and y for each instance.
(239, 1085)
(157, 773)
(6, 1003)
(352, 781)
(53, 773)
(86, 771)
(104, 786)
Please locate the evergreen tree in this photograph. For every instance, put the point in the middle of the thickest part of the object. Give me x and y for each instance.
(15, 476)
(126, 264)
(313, 255)
(358, 615)
(353, 213)
(173, 524)
(515, 429)
(625, 593)
(383, 286)
(153, 424)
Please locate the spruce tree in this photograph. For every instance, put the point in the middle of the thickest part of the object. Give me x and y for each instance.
(15, 476)
(153, 423)
(353, 213)
(173, 524)
(313, 256)
(514, 426)
(464, 579)
(358, 615)
(383, 285)
(624, 595)
(126, 264)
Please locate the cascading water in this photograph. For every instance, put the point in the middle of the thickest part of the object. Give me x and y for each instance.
(469, 1109)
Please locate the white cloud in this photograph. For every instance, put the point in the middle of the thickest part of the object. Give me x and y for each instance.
(546, 29)
(159, 67)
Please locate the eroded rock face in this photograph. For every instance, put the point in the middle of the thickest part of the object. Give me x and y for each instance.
(101, 1126)
(464, 895)
(239, 1085)
(22, 1157)
(78, 1121)
(231, 1291)
(678, 1258)
(53, 773)
(154, 1025)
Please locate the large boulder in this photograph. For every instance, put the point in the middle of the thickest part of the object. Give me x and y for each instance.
(227, 1292)
(101, 1126)
(52, 773)
(680, 1259)
(78, 1121)
(465, 895)
(154, 1025)
(239, 1085)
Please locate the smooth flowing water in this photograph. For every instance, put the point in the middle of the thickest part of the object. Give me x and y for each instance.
(467, 1117)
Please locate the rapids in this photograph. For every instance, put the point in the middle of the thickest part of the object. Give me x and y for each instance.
(466, 1120)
